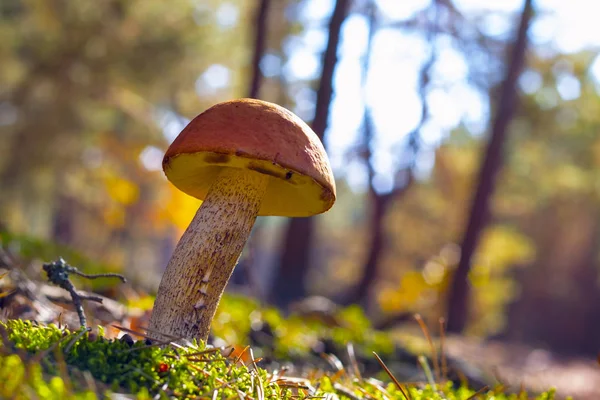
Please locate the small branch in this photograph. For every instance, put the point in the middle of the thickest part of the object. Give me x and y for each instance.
(95, 276)
(58, 274)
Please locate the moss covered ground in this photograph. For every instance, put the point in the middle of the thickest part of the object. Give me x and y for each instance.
(50, 362)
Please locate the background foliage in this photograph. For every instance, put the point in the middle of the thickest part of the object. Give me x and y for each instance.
(91, 94)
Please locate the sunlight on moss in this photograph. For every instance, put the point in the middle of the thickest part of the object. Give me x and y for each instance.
(34, 361)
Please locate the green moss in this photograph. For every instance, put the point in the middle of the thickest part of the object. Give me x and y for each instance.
(47, 362)
(21, 380)
(294, 336)
(180, 372)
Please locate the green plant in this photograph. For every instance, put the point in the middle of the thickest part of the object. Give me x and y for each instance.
(47, 362)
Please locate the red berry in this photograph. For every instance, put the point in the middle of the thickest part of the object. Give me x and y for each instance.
(162, 367)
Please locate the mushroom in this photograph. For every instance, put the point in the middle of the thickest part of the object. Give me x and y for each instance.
(243, 158)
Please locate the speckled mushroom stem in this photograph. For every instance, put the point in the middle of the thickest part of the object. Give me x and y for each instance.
(206, 254)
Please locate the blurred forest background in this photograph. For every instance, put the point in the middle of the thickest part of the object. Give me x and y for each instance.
(450, 124)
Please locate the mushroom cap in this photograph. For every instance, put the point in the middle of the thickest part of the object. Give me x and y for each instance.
(260, 136)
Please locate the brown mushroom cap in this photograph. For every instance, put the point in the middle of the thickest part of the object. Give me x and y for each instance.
(259, 136)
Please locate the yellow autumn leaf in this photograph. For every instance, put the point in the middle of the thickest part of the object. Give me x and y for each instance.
(406, 296)
(120, 189)
(502, 247)
(179, 208)
(389, 299)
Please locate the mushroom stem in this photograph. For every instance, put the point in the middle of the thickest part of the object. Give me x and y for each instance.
(206, 254)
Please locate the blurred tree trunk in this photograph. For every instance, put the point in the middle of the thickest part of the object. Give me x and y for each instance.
(63, 220)
(289, 283)
(377, 239)
(376, 245)
(260, 41)
(380, 202)
(62, 228)
(558, 306)
(458, 300)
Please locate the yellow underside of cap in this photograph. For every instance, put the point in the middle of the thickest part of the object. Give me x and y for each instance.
(288, 193)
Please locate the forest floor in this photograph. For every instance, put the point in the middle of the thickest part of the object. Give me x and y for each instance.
(534, 369)
(514, 366)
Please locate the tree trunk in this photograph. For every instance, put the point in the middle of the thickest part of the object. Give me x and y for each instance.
(360, 293)
(459, 293)
(557, 307)
(260, 40)
(63, 220)
(289, 283)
